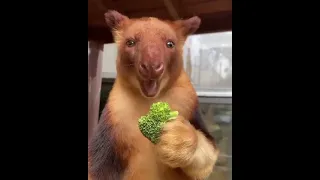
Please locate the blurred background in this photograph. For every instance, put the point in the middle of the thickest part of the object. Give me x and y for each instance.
(207, 60)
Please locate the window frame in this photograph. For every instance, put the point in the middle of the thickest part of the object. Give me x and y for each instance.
(214, 97)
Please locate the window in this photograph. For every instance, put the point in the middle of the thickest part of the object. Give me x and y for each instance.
(208, 62)
(217, 115)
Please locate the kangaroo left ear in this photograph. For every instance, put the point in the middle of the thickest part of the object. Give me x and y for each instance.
(114, 19)
(189, 26)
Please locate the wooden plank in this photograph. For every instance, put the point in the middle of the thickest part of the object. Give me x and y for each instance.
(130, 6)
(184, 9)
(172, 9)
(207, 7)
(217, 22)
(160, 13)
(190, 2)
(100, 34)
(95, 12)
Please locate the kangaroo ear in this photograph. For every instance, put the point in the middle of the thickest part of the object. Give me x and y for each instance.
(189, 26)
(114, 19)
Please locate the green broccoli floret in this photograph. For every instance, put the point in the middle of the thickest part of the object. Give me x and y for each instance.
(151, 124)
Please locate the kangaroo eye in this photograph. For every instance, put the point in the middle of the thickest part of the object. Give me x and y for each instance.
(130, 43)
(170, 44)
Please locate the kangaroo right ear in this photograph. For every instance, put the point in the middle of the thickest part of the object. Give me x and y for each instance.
(114, 19)
(189, 26)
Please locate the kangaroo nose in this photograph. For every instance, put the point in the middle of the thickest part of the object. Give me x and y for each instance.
(158, 69)
(144, 69)
(152, 71)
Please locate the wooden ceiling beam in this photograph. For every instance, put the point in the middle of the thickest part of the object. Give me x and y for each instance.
(207, 7)
(215, 22)
(171, 9)
(216, 15)
(96, 9)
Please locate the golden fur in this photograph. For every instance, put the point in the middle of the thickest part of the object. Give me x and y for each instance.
(181, 146)
(183, 152)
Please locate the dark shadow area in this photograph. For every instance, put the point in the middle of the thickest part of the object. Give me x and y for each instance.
(106, 87)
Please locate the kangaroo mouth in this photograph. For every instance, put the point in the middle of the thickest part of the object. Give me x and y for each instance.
(149, 88)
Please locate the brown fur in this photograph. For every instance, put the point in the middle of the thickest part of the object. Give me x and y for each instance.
(183, 152)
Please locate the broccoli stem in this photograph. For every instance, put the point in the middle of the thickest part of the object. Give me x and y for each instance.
(173, 115)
